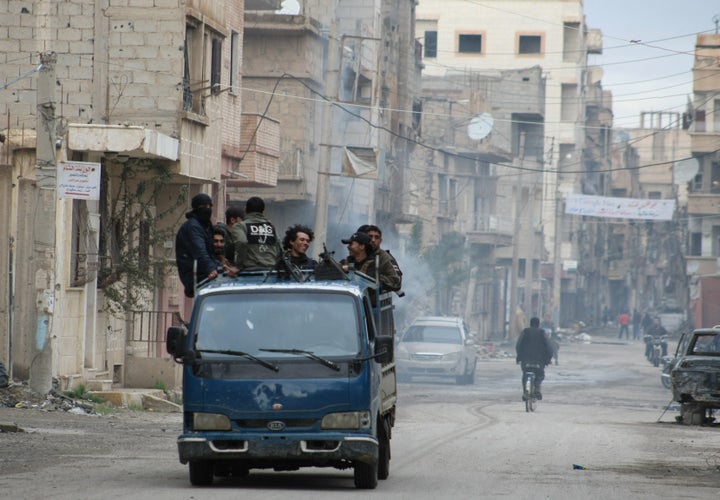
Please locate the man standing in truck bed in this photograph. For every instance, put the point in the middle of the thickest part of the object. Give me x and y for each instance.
(256, 242)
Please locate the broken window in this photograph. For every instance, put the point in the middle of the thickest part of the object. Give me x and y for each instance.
(203, 64)
(358, 69)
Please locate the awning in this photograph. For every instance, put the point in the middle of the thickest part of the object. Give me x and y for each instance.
(360, 162)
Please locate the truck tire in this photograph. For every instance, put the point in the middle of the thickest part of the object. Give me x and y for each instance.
(201, 472)
(383, 450)
(366, 475)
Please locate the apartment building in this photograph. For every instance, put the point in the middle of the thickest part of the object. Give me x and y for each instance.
(645, 258)
(339, 79)
(703, 209)
(552, 34)
(477, 192)
(150, 92)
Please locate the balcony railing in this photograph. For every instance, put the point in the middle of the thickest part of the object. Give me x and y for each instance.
(146, 332)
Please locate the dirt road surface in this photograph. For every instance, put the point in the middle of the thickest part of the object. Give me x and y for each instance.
(603, 409)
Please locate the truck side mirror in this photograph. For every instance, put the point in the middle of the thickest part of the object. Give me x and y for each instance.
(174, 342)
(384, 349)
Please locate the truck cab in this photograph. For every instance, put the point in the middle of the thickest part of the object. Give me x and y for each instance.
(282, 371)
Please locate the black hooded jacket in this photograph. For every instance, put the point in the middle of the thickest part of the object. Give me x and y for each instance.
(194, 242)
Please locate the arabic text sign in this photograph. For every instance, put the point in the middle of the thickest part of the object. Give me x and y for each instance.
(619, 208)
(79, 180)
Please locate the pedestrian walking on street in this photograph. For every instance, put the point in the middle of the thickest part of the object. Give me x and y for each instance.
(624, 320)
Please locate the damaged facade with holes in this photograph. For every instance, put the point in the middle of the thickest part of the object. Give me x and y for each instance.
(152, 97)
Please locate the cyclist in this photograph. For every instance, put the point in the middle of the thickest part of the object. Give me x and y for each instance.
(534, 348)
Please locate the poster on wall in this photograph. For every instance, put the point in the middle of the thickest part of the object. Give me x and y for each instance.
(79, 180)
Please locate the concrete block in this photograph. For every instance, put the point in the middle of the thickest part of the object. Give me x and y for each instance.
(153, 403)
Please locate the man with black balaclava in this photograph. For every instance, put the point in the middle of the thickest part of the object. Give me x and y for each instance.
(194, 242)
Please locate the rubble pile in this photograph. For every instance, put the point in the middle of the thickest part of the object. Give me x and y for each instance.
(19, 395)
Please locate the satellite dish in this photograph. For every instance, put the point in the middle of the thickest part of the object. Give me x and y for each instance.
(622, 136)
(685, 170)
(289, 7)
(480, 126)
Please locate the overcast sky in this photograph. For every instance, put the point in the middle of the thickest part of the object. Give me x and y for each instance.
(656, 76)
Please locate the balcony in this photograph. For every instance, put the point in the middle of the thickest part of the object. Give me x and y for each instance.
(703, 204)
(258, 155)
(490, 230)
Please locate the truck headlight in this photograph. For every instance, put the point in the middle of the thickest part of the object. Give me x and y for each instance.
(347, 420)
(210, 422)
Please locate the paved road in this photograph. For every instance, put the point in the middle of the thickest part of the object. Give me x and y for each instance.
(601, 410)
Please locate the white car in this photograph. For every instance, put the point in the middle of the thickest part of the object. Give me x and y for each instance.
(437, 346)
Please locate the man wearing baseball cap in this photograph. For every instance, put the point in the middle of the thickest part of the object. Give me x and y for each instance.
(194, 242)
(362, 258)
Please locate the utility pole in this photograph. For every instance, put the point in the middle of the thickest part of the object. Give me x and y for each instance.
(324, 170)
(557, 261)
(516, 245)
(43, 221)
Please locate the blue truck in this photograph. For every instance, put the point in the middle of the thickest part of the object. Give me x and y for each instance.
(283, 370)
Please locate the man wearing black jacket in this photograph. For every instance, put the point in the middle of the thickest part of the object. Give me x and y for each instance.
(533, 348)
(194, 242)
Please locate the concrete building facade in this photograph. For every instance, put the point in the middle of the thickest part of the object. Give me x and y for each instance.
(551, 34)
(703, 210)
(339, 78)
(150, 91)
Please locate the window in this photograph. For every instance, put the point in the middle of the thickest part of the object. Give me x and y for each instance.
(716, 115)
(572, 38)
(358, 70)
(715, 178)
(470, 44)
(695, 244)
(215, 66)
(699, 120)
(430, 46)
(83, 260)
(529, 44)
(569, 105)
(203, 65)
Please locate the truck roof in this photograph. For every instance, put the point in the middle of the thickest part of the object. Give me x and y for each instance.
(352, 282)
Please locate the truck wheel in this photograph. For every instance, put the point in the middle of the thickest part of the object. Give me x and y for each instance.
(366, 475)
(383, 450)
(692, 414)
(201, 473)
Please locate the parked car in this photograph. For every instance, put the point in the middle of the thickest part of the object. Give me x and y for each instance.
(438, 346)
(695, 375)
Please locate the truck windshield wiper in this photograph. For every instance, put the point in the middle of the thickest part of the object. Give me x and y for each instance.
(309, 354)
(229, 352)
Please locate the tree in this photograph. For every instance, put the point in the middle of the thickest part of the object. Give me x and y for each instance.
(448, 267)
(131, 227)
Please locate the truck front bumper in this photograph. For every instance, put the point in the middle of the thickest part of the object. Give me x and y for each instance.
(276, 449)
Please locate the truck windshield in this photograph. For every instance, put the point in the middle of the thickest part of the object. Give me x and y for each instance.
(324, 324)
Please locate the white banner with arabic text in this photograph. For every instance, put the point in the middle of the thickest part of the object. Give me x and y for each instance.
(619, 208)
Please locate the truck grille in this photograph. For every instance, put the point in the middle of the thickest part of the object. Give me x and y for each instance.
(289, 423)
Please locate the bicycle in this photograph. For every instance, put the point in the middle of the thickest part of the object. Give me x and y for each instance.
(529, 389)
